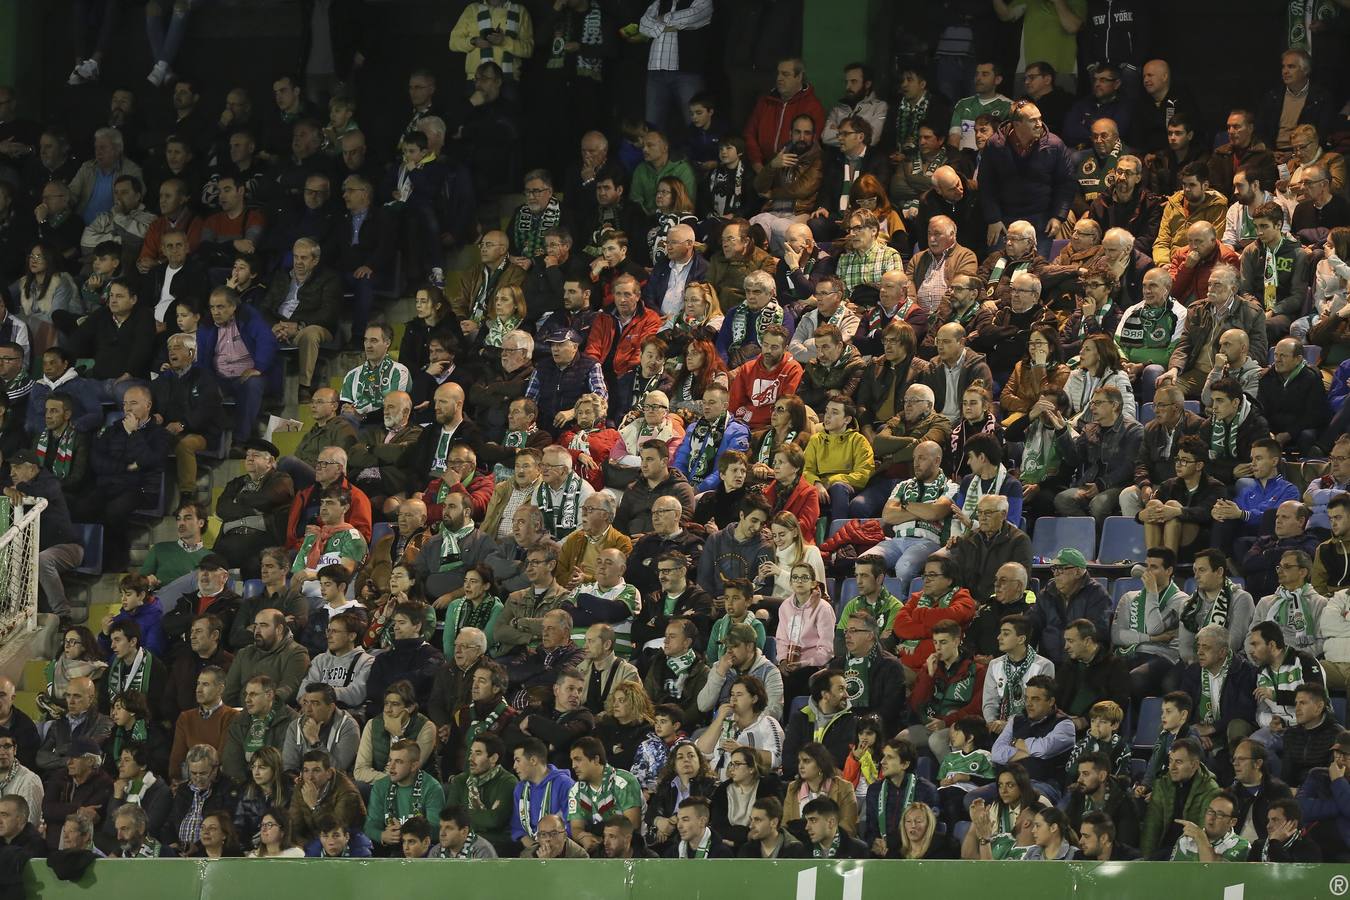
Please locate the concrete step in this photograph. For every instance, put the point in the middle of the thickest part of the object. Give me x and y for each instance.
(34, 675)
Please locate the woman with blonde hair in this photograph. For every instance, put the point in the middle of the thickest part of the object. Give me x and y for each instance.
(503, 316)
(626, 721)
(919, 837)
(673, 207)
(790, 549)
(700, 318)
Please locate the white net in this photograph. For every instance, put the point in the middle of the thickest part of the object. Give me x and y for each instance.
(18, 568)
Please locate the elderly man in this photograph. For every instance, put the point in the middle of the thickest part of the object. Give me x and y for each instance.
(187, 400)
(1001, 331)
(1017, 256)
(1291, 532)
(1070, 595)
(81, 722)
(1149, 331)
(515, 485)
(91, 188)
(665, 535)
(238, 347)
(331, 471)
(541, 210)
(881, 399)
(935, 269)
(920, 511)
(561, 379)
(1126, 203)
(742, 331)
(1101, 456)
(1323, 209)
(305, 308)
(826, 307)
(895, 302)
(739, 257)
(1191, 265)
(580, 551)
(561, 493)
(1292, 395)
(1206, 321)
(381, 454)
(1222, 686)
(253, 508)
(480, 283)
(680, 267)
(329, 430)
(992, 542)
(76, 793)
(520, 623)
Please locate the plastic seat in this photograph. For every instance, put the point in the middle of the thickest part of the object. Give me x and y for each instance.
(252, 588)
(1146, 413)
(161, 509)
(1122, 586)
(1338, 709)
(1192, 406)
(1122, 539)
(1150, 722)
(915, 584)
(91, 537)
(1078, 532)
(835, 525)
(848, 589)
(796, 706)
(893, 585)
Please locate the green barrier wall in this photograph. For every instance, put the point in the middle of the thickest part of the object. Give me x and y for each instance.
(712, 880)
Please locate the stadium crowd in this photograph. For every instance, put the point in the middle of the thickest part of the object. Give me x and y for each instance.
(711, 502)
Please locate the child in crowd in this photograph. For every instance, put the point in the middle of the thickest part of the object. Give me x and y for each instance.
(967, 767)
(1104, 720)
(1176, 724)
(861, 766)
(736, 599)
(705, 133)
(341, 121)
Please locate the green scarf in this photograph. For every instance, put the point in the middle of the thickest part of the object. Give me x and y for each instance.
(1218, 613)
(832, 852)
(475, 783)
(1291, 611)
(1223, 436)
(682, 663)
(419, 787)
(137, 735)
(927, 602)
(451, 557)
(477, 726)
(907, 797)
(1138, 610)
(769, 442)
(1011, 702)
(257, 733)
(561, 520)
(771, 314)
(136, 677)
(371, 383)
(475, 616)
(703, 446)
(65, 450)
(856, 676)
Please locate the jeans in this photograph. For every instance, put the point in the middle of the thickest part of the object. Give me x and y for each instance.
(841, 497)
(939, 742)
(905, 555)
(1099, 507)
(164, 42)
(1147, 671)
(110, 390)
(97, 16)
(1148, 381)
(302, 474)
(247, 394)
(54, 562)
(868, 502)
(667, 90)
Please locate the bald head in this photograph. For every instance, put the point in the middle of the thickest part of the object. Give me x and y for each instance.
(948, 183)
(449, 403)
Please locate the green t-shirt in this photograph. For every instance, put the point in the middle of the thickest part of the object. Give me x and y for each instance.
(965, 111)
(168, 560)
(1045, 40)
(977, 764)
(618, 791)
(428, 804)
(343, 545)
(884, 610)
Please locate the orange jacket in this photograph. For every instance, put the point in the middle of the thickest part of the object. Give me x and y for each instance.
(915, 623)
(626, 345)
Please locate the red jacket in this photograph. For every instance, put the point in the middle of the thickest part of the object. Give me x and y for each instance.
(915, 623)
(754, 389)
(358, 516)
(1191, 284)
(480, 494)
(770, 124)
(802, 503)
(601, 441)
(922, 691)
(605, 331)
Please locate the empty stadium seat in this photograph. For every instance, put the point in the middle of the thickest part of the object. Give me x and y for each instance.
(1079, 532)
(379, 530)
(252, 588)
(1122, 586)
(1122, 539)
(1150, 722)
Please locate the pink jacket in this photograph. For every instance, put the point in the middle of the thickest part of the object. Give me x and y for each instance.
(812, 627)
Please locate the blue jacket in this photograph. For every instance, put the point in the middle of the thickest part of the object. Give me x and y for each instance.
(148, 616)
(1037, 187)
(253, 328)
(655, 288)
(88, 409)
(1323, 800)
(557, 784)
(736, 437)
(1051, 614)
(924, 792)
(1256, 498)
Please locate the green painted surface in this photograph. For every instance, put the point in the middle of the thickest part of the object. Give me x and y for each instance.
(835, 33)
(710, 880)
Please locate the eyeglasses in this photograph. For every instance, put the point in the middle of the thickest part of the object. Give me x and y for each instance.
(661, 571)
(847, 133)
(72, 642)
(1215, 814)
(801, 578)
(933, 575)
(324, 463)
(549, 834)
(655, 407)
(535, 192)
(1183, 461)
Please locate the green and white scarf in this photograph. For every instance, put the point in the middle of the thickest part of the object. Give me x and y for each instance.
(523, 808)
(927, 602)
(465, 851)
(474, 784)
(512, 30)
(975, 491)
(595, 804)
(996, 274)
(135, 677)
(1218, 613)
(1139, 610)
(528, 232)
(419, 787)
(65, 450)
(856, 676)
(470, 615)
(1012, 702)
(770, 441)
(831, 852)
(1223, 436)
(452, 559)
(771, 314)
(560, 520)
(1208, 711)
(149, 849)
(478, 726)
(703, 446)
(257, 732)
(512, 440)
(371, 382)
(679, 668)
(906, 798)
(1291, 610)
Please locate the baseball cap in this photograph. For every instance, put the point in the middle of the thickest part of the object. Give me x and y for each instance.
(24, 456)
(1069, 556)
(564, 334)
(83, 747)
(742, 633)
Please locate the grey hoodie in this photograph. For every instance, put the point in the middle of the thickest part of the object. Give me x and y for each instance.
(717, 689)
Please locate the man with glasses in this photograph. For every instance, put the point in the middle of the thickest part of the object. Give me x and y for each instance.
(581, 548)
(855, 156)
(680, 266)
(521, 620)
(330, 471)
(1322, 210)
(329, 430)
(1026, 173)
(559, 381)
(1018, 256)
(990, 540)
(366, 247)
(344, 665)
(561, 493)
(1123, 202)
(1001, 329)
(866, 258)
(472, 301)
(827, 306)
(645, 565)
(1215, 840)
(1106, 102)
(1093, 165)
(1295, 605)
(1039, 86)
(541, 210)
(1179, 513)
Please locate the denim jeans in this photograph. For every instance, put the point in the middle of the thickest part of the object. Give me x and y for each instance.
(841, 496)
(905, 556)
(669, 93)
(868, 502)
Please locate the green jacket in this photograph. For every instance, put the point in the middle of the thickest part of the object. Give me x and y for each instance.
(432, 800)
(492, 819)
(1159, 813)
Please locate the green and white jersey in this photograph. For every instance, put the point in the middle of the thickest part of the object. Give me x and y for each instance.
(965, 112)
(343, 545)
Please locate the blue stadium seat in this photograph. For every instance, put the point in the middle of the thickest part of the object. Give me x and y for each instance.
(1150, 722)
(1192, 406)
(959, 830)
(253, 588)
(1079, 532)
(893, 585)
(1146, 413)
(835, 525)
(1338, 709)
(1122, 586)
(915, 584)
(1312, 354)
(770, 649)
(1122, 539)
(848, 589)
(91, 536)
(927, 767)
(796, 706)
(160, 510)
(379, 530)
(1189, 586)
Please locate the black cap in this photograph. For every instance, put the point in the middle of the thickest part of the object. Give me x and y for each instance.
(24, 456)
(262, 446)
(212, 562)
(563, 334)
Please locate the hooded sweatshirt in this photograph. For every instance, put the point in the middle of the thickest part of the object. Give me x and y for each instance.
(532, 801)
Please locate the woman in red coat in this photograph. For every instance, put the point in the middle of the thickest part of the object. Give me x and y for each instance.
(591, 440)
(789, 491)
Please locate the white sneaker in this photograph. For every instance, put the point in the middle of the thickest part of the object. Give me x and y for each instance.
(160, 74)
(88, 69)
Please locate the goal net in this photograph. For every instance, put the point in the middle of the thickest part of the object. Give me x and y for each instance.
(18, 568)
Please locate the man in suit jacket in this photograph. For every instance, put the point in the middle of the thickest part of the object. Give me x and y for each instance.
(366, 248)
(304, 308)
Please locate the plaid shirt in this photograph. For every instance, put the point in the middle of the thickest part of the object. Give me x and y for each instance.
(190, 829)
(867, 268)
